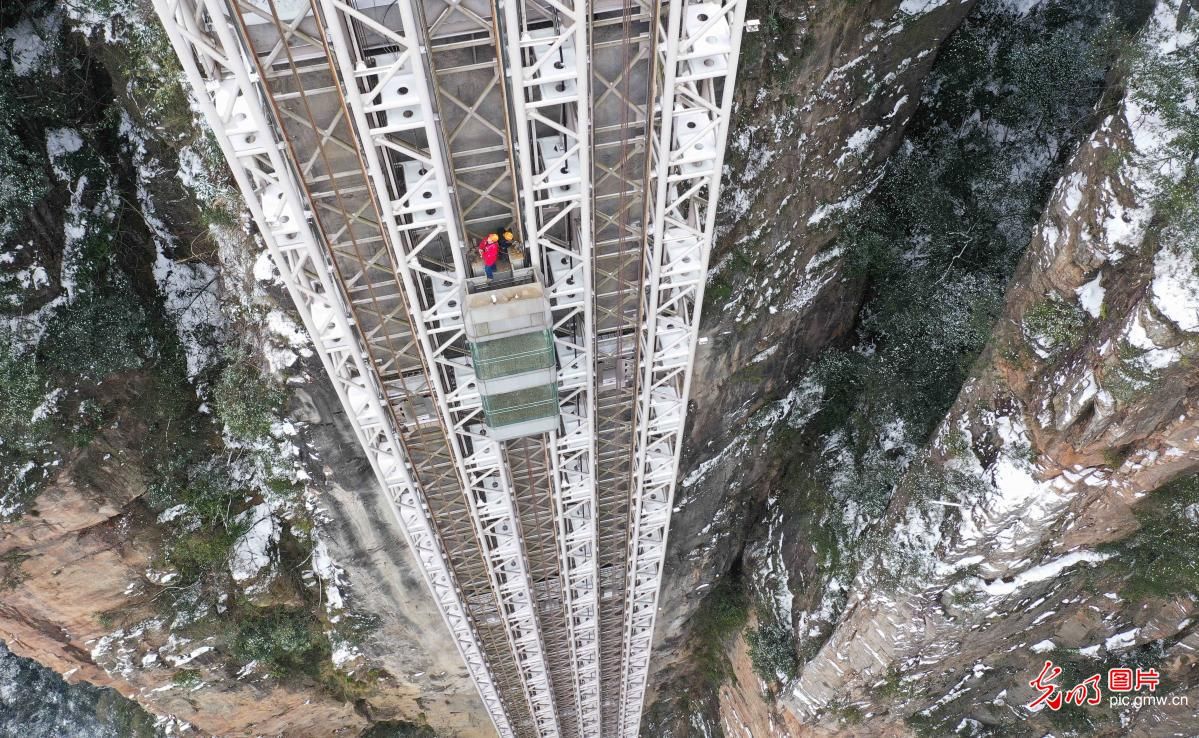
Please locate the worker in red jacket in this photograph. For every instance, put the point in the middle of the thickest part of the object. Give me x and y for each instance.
(489, 251)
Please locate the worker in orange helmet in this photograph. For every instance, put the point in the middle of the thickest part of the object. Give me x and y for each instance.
(507, 239)
(489, 251)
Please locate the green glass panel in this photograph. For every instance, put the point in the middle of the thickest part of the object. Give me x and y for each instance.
(517, 407)
(507, 357)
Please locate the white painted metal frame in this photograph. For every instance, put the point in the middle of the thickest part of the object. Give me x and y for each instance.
(547, 206)
(437, 316)
(697, 68)
(224, 89)
(693, 95)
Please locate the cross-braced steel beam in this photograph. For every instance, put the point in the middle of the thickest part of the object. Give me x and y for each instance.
(374, 141)
(226, 86)
(696, 63)
(545, 63)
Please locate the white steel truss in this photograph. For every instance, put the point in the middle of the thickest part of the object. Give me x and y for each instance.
(496, 537)
(547, 46)
(435, 311)
(369, 227)
(225, 90)
(696, 58)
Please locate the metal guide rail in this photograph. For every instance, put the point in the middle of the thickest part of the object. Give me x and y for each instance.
(386, 86)
(546, 46)
(620, 53)
(696, 57)
(529, 460)
(463, 46)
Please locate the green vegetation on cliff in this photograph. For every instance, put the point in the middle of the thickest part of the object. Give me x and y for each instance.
(128, 347)
(1161, 559)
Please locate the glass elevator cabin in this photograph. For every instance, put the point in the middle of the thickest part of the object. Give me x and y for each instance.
(509, 329)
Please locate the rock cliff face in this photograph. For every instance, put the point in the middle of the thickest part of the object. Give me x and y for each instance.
(186, 517)
(909, 583)
(826, 90)
(83, 563)
(1082, 403)
(427, 677)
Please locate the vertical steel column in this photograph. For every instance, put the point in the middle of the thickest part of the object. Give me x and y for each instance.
(438, 321)
(463, 42)
(299, 78)
(224, 88)
(546, 62)
(698, 53)
(621, 50)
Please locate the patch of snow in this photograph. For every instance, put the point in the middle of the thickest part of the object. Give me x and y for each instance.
(957, 691)
(1008, 511)
(264, 269)
(284, 327)
(858, 143)
(188, 657)
(920, 7)
(59, 143)
(74, 229)
(252, 552)
(343, 654)
(1020, 7)
(1073, 194)
(330, 573)
(898, 106)
(709, 464)
(189, 289)
(1075, 398)
(1090, 296)
(48, 405)
(29, 46)
(824, 211)
(293, 336)
(1044, 616)
(189, 292)
(1122, 640)
(1137, 336)
(1045, 571)
(33, 277)
(62, 141)
(816, 277)
(170, 514)
(1175, 287)
(1191, 513)
(764, 354)
(1043, 647)
(893, 435)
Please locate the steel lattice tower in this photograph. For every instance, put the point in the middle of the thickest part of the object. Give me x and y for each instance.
(375, 141)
